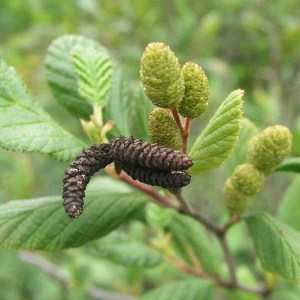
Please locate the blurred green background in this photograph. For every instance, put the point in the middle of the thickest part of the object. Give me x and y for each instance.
(253, 45)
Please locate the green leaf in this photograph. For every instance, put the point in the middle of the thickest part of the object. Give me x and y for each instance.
(239, 154)
(277, 245)
(191, 242)
(119, 106)
(240, 295)
(127, 251)
(218, 139)
(286, 291)
(158, 217)
(142, 107)
(182, 290)
(61, 77)
(288, 210)
(42, 224)
(290, 165)
(94, 70)
(26, 126)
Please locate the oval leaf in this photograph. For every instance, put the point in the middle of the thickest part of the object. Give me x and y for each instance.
(94, 70)
(127, 251)
(26, 126)
(142, 108)
(119, 106)
(61, 76)
(42, 224)
(288, 210)
(219, 137)
(182, 290)
(158, 217)
(290, 165)
(277, 245)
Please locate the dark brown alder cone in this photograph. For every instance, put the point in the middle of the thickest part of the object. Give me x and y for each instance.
(88, 162)
(165, 179)
(135, 152)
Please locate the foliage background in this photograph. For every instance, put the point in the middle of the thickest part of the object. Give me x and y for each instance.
(253, 45)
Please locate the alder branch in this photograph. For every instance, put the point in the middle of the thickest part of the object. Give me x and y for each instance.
(228, 258)
(186, 209)
(219, 231)
(261, 290)
(165, 201)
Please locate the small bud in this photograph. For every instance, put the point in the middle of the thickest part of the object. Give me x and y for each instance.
(235, 201)
(247, 179)
(269, 148)
(195, 99)
(163, 129)
(161, 76)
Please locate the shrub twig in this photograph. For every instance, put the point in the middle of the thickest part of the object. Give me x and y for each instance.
(186, 134)
(219, 231)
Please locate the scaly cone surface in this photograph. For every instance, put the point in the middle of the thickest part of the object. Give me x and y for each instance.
(135, 152)
(86, 164)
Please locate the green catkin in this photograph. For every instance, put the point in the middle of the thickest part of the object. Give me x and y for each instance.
(265, 152)
(163, 129)
(235, 201)
(247, 179)
(195, 99)
(161, 76)
(269, 148)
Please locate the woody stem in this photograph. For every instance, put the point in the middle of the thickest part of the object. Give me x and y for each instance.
(177, 120)
(219, 231)
(186, 134)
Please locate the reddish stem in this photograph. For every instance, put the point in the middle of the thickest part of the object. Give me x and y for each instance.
(233, 220)
(186, 134)
(178, 121)
(147, 189)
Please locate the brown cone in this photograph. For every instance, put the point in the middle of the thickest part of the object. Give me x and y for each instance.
(165, 179)
(88, 162)
(135, 152)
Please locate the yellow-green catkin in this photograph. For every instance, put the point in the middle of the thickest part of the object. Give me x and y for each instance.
(161, 76)
(195, 99)
(247, 179)
(163, 129)
(235, 201)
(269, 148)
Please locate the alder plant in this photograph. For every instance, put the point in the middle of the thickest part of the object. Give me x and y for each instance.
(147, 166)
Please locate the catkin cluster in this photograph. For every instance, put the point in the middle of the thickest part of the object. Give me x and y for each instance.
(146, 162)
(265, 152)
(171, 87)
